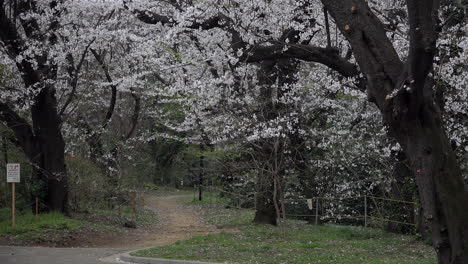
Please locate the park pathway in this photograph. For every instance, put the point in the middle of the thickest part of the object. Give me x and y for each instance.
(177, 221)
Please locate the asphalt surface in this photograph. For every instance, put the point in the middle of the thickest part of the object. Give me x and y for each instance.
(40, 255)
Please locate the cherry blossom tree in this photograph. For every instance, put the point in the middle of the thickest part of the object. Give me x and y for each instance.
(403, 91)
(29, 35)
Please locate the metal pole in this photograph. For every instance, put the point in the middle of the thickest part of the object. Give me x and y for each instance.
(365, 211)
(316, 212)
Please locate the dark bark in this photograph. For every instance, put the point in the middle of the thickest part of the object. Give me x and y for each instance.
(135, 115)
(5, 149)
(272, 77)
(411, 114)
(265, 209)
(110, 110)
(44, 148)
(74, 73)
(401, 189)
(148, 17)
(50, 164)
(327, 56)
(42, 141)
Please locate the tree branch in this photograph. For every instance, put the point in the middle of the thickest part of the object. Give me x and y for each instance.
(327, 56)
(423, 19)
(111, 108)
(74, 74)
(149, 17)
(20, 126)
(135, 116)
(373, 51)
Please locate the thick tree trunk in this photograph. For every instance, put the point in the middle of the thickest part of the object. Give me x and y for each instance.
(440, 183)
(404, 94)
(48, 154)
(42, 143)
(272, 76)
(265, 208)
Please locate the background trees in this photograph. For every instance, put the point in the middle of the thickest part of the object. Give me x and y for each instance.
(282, 84)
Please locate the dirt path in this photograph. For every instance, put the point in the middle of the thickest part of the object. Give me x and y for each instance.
(177, 221)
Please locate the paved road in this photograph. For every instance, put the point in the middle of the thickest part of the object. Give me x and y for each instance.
(40, 255)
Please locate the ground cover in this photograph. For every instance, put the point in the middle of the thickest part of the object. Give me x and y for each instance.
(92, 229)
(298, 243)
(162, 218)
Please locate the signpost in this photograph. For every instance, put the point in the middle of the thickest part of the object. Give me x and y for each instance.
(13, 176)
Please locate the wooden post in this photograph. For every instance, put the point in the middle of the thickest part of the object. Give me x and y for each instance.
(134, 198)
(37, 207)
(13, 209)
(365, 211)
(255, 200)
(316, 212)
(194, 192)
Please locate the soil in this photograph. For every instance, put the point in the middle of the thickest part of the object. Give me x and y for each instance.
(176, 221)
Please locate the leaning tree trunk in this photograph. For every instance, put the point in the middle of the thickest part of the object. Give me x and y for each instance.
(48, 155)
(440, 183)
(403, 91)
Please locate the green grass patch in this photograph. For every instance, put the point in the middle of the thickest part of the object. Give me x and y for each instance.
(142, 216)
(301, 244)
(27, 222)
(231, 218)
(208, 198)
(168, 190)
(149, 186)
(220, 215)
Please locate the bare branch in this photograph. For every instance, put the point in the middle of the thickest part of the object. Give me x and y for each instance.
(110, 110)
(74, 74)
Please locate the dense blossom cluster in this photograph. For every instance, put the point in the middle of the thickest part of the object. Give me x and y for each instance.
(198, 71)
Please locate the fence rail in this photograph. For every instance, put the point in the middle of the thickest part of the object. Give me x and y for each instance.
(374, 213)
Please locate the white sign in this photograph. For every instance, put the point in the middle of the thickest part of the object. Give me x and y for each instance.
(13, 172)
(309, 203)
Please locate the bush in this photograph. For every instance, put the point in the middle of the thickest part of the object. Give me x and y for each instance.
(86, 185)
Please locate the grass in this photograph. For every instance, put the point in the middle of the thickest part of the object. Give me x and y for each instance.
(143, 216)
(168, 190)
(301, 244)
(216, 211)
(208, 198)
(28, 223)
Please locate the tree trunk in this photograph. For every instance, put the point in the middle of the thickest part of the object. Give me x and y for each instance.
(402, 189)
(403, 91)
(48, 155)
(440, 184)
(266, 212)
